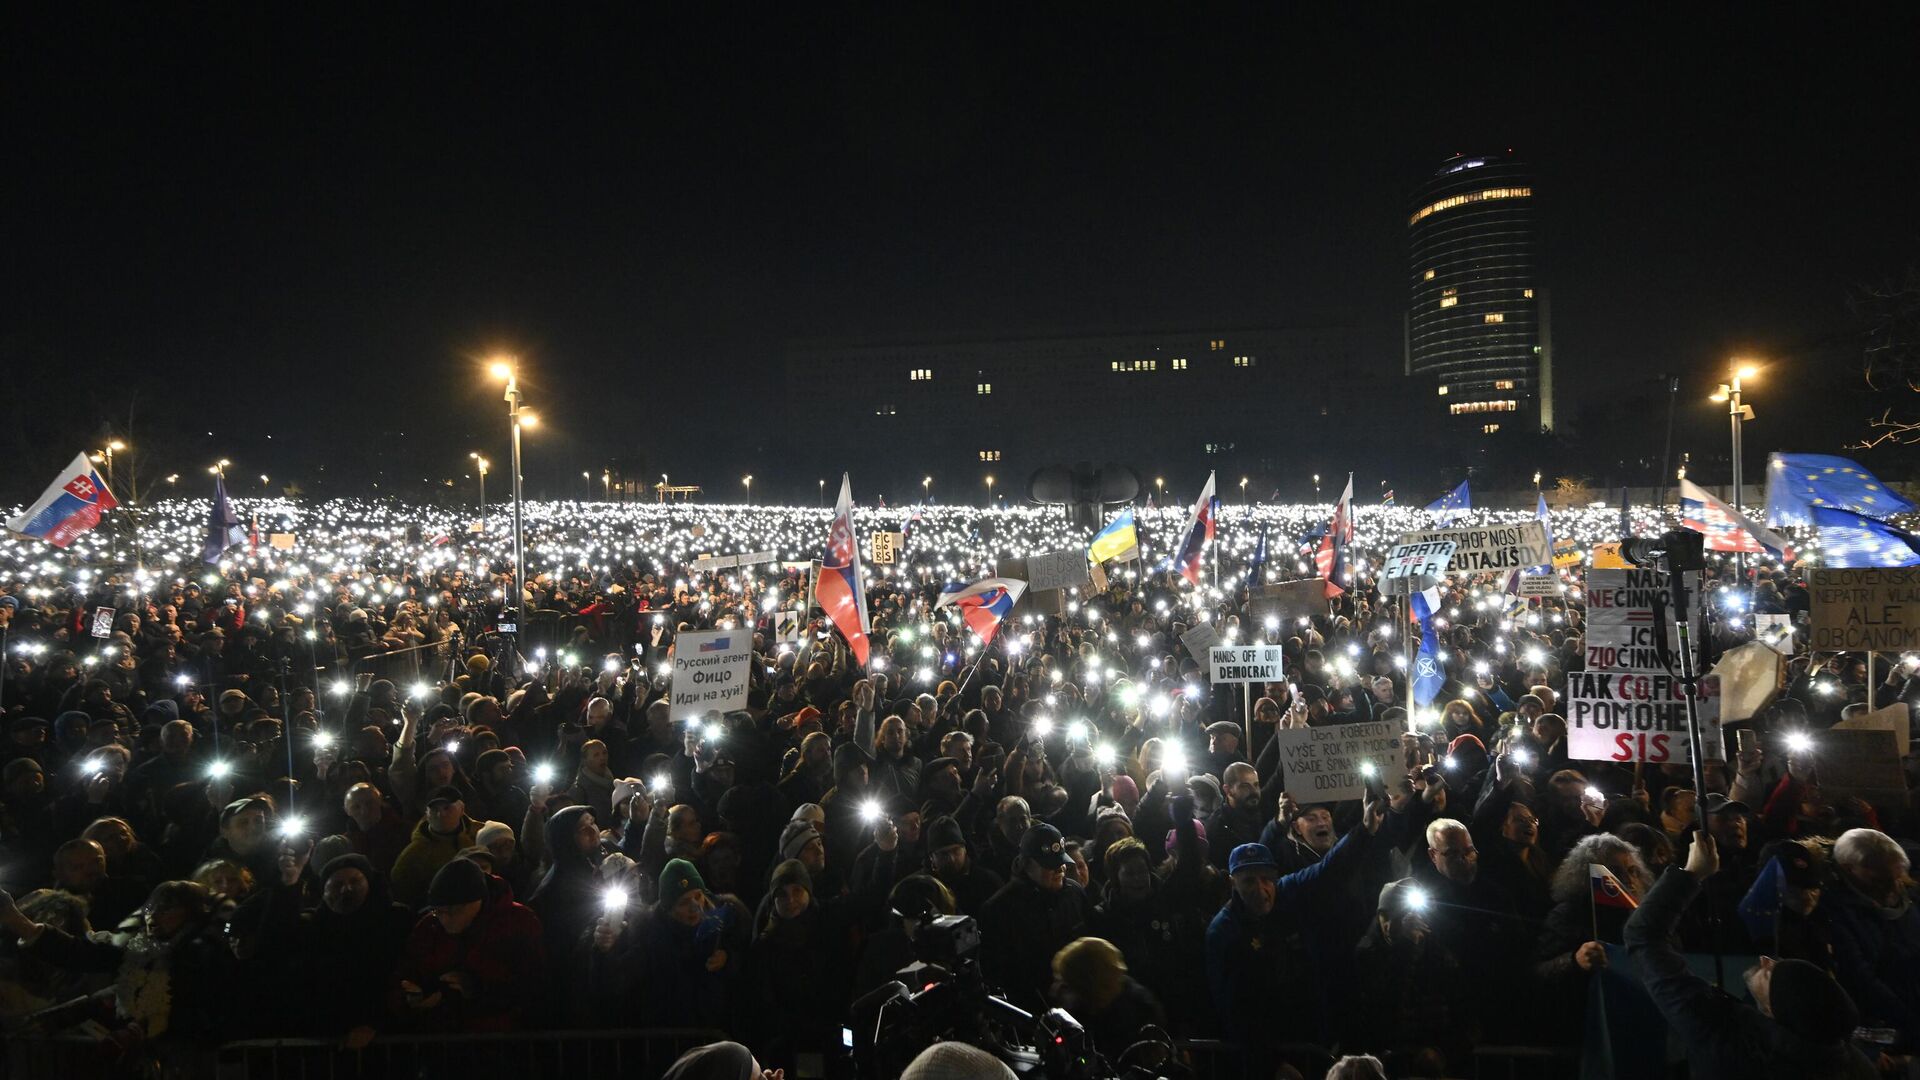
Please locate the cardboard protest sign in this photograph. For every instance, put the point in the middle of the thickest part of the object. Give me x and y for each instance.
(1483, 548)
(1288, 601)
(1775, 631)
(1625, 716)
(1750, 678)
(1864, 610)
(1861, 762)
(1198, 640)
(710, 673)
(1322, 764)
(1895, 718)
(1057, 569)
(284, 541)
(885, 547)
(1246, 663)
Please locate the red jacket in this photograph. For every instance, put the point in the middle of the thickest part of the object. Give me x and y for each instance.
(501, 957)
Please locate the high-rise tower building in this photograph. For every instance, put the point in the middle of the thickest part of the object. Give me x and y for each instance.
(1477, 322)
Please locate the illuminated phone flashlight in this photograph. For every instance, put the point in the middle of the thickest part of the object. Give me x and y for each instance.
(870, 811)
(659, 784)
(219, 769)
(1042, 727)
(1368, 769)
(1449, 763)
(543, 773)
(342, 687)
(1799, 742)
(613, 899)
(1077, 731)
(1416, 899)
(1481, 667)
(712, 732)
(1173, 760)
(1103, 755)
(292, 827)
(322, 740)
(1522, 757)
(1596, 794)
(611, 665)
(183, 681)
(540, 653)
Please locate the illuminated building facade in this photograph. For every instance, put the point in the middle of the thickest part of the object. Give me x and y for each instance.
(1478, 333)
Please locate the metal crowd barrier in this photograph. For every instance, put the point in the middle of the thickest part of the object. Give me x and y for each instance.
(626, 1054)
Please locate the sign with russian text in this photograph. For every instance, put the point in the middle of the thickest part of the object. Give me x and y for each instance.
(1627, 716)
(1482, 549)
(1246, 663)
(1864, 610)
(1323, 764)
(710, 673)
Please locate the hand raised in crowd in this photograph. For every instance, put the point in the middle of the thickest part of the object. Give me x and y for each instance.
(886, 835)
(292, 862)
(984, 781)
(1703, 856)
(1750, 760)
(863, 695)
(1591, 955)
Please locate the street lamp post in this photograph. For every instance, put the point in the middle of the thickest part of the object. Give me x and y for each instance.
(747, 482)
(106, 455)
(1243, 489)
(482, 464)
(516, 418)
(1160, 485)
(1738, 413)
(606, 484)
(1316, 487)
(989, 491)
(926, 489)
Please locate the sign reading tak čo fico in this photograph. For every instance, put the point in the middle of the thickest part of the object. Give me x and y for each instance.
(1627, 716)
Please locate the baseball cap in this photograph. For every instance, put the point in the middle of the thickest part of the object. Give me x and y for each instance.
(1720, 804)
(447, 794)
(1043, 845)
(1251, 857)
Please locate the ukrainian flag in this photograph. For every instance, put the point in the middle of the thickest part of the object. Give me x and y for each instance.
(1118, 540)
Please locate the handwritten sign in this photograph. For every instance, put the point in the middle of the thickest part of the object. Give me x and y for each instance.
(1422, 560)
(1483, 548)
(1622, 608)
(886, 547)
(1864, 610)
(1057, 569)
(1246, 663)
(1624, 716)
(1322, 764)
(710, 673)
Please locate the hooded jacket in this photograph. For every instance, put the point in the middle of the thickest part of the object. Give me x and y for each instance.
(423, 857)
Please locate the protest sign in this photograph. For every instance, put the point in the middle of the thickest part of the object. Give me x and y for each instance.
(1624, 716)
(1607, 557)
(1482, 548)
(1322, 764)
(1896, 718)
(1246, 663)
(727, 562)
(1198, 640)
(284, 541)
(710, 673)
(1622, 607)
(1288, 601)
(1057, 569)
(103, 622)
(789, 625)
(885, 547)
(1422, 560)
(1776, 631)
(1860, 762)
(1864, 610)
(1750, 678)
(1539, 585)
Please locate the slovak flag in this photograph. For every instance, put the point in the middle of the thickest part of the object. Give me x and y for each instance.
(1725, 528)
(983, 604)
(1199, 532)
(71, 505)
(842, 592)
(1607, 890)
(1329, 561)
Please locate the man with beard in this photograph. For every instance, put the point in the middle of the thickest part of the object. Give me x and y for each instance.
(1237, 820)
(952, 864)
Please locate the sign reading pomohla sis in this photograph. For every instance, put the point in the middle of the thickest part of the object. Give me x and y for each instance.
(711, 670)
(1481, 548)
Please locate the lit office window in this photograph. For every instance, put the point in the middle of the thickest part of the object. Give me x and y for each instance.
(1493, 317)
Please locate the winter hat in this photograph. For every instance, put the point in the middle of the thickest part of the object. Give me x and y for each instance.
(678, 878)
(478, 664)
(1124, 789)
(1200, 830)
(233, 702)
(811, 813)
(794, 838)
(488, 759)
(956, 1061)
(461, 881)
(352, 860)
(791, 872)
(1807, 1002)
(1224, 727)
(1206, 791)
(328, 848)
(491, 831)
(715, 1061)
(161, 712)
(1092, 968)
(943, 832)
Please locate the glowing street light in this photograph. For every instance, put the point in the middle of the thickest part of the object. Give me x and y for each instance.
(481, 463)
(989, 491)
(1243, 489)
(1738, 413)
(516, 419)
(747, 482)
(926, 489)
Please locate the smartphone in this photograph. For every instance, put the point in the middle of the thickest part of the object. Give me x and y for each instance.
(1746, 739)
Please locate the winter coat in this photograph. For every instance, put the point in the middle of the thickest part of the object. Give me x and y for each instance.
(501, 957)
(1020, 930)
(1877, 958)
(423, 857)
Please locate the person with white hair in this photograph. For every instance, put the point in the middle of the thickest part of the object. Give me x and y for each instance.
(1876, 931)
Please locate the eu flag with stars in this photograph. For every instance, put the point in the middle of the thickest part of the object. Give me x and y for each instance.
(1854, 541)
(1799, 484)
(1453, 503)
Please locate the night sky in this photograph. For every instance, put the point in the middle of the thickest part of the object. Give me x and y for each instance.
(308, 222)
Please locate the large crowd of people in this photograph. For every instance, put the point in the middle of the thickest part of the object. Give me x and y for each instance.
(312, 790)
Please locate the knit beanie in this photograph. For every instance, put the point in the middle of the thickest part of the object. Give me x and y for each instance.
(491, 831)
(1807, 1002)
(956, 1061)
(794, 838)
(1092, 968)
(350, 861)
(678, 878)
(329, 849)
(458, 882)
(943, 832)
(791, 872)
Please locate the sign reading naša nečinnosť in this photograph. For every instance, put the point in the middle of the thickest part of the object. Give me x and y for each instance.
(1864, 610)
